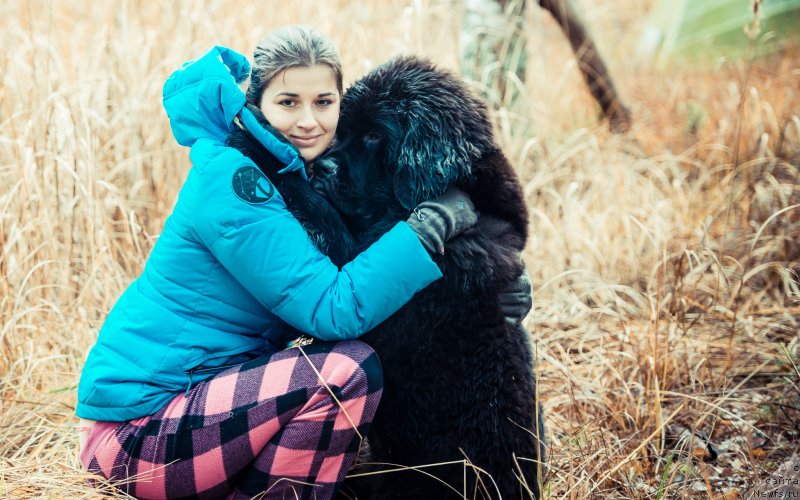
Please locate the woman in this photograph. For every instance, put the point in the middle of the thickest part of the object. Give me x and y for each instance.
(188, 390)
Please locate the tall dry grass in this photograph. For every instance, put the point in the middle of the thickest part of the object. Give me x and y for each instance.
(665, 262)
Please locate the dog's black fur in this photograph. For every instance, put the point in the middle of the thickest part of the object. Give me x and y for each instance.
(458, 379)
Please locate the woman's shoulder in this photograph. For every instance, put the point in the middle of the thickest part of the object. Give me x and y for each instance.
(226, 191)
(211, 154)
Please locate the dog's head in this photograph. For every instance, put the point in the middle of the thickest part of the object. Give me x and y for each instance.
(407, 132)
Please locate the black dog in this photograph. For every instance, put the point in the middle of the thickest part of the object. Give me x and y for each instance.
(459, 381)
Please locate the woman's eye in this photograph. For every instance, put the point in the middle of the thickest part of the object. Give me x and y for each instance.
(324, 102)
(288, 103)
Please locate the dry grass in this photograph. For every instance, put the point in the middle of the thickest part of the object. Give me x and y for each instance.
(665, 262)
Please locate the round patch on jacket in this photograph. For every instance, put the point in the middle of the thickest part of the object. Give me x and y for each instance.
(251, 186)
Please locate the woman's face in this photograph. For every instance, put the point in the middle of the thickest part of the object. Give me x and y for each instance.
(302, 103)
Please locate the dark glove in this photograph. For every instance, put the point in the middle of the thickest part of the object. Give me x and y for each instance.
(515, 299)
(436, 221)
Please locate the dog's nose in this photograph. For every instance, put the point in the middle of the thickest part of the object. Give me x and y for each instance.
(323, 183)
(324, 179)
(326, 166)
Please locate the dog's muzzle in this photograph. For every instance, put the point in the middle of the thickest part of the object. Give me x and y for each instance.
(324, 179)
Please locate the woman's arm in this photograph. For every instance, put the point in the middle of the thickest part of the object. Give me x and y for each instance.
(266, 249)
(258, 241)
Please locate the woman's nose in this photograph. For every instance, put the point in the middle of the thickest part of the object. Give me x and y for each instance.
(307, 120)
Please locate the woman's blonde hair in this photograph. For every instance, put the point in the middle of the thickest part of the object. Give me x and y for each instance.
(290, 47)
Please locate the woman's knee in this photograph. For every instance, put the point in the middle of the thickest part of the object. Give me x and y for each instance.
(354, 367)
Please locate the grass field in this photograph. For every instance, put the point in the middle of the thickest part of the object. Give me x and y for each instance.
(665, 261)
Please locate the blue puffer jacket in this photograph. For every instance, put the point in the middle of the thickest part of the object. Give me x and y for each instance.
(232, 266)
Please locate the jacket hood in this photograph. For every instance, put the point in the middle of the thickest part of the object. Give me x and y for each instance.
(202, 98)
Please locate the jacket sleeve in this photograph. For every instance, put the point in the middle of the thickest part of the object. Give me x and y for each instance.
(202, 96)
(267, 250)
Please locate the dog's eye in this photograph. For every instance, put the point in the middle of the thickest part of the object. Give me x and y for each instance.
(371, 138)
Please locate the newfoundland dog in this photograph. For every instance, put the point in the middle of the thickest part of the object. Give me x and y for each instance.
(459, 415)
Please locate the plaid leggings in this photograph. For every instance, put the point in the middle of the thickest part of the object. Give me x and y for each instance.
(267, 428)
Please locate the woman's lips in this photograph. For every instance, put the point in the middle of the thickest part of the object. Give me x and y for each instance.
(305, 141)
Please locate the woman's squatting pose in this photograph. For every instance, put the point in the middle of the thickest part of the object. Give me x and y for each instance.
(189, 389)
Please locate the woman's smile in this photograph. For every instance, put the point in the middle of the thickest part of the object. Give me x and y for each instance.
(304, 141)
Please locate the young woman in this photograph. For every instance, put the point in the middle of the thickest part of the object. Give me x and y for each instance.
(190, 389)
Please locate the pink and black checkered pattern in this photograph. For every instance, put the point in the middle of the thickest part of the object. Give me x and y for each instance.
(266, 428)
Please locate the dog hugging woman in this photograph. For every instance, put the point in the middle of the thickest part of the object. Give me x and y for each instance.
(190, 389)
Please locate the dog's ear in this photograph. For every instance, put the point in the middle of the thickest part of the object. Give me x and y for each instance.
(429, 157)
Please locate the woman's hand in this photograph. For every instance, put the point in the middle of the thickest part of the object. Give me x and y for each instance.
(515, 299)
(438, 220)
(202, 97)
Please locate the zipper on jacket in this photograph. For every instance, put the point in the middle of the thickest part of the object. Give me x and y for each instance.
(211, 369)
